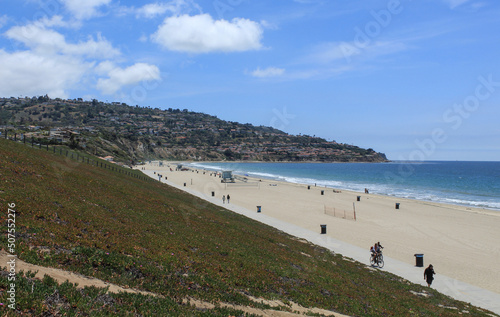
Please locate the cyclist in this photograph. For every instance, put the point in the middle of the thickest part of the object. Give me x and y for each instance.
(376, 249)
(372, 250)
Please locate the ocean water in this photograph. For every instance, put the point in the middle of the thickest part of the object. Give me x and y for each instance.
(475, 184)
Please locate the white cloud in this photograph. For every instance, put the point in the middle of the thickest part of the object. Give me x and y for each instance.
(159, 8)
(84, 9)
(104, 68)
(175, 7)
(28, 74)
(51, 65)
(202, 34)
(55, 20)
(47, 41)
(268, 72)
(120, 77)
(153, 9)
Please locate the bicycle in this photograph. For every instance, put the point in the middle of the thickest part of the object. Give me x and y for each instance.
(377, 260)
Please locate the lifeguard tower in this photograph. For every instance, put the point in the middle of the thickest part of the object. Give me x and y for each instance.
(227, 177)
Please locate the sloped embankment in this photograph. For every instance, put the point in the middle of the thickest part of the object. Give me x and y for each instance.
(144, 235)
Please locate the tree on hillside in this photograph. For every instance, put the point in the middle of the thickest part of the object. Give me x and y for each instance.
(73, 141)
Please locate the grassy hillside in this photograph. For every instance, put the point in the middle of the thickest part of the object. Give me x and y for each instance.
(142, 234)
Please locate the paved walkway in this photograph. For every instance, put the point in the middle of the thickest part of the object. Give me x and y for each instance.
(456, 289)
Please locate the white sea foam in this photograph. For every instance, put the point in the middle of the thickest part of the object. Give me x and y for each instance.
(263, 175)
(403, 190)
(206, 167)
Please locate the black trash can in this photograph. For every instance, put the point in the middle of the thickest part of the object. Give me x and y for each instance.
(359, 198)
(323, 229)
(397, 205)
(259, 208)
(322, 192)
(419, 260)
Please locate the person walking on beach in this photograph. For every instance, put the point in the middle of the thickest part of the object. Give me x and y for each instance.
(228, 198)
(223, 199)
(429, 275)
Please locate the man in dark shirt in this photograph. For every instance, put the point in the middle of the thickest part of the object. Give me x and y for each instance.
(429, 275)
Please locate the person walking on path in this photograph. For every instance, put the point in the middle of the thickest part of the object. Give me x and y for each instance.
(223, 199)
(228, 198)
(429, 275)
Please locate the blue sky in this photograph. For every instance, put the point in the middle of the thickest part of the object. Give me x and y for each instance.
(416, 80)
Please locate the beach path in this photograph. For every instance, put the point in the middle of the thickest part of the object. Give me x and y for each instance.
(82, 281)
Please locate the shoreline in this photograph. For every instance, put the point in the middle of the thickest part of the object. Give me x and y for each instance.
(284, 162)
(456, 207)
(440, 231)
(493, 211)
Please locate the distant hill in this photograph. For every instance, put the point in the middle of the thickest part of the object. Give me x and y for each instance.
(141, 133)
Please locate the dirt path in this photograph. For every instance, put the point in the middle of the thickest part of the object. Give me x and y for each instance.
(62, 276)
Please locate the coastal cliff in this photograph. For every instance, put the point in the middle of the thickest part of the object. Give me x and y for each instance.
(131, 134)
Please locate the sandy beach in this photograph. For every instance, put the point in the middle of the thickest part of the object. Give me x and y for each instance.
(460, 242)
